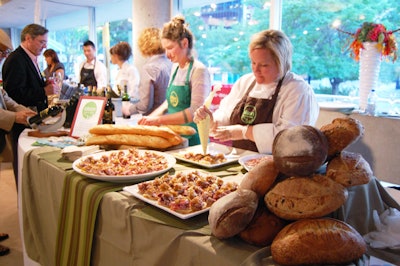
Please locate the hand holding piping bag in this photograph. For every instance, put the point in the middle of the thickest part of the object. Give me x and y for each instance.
(203, 124)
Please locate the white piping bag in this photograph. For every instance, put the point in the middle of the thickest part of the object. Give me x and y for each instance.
(203, 126)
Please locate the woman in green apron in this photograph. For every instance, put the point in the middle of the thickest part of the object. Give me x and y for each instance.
(190, 80)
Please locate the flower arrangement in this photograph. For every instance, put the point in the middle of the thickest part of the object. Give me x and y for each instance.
(373, 32)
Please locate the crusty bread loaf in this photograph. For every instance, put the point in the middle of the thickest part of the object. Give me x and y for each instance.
(263, 228)
(349, 169)
(299, 150)
(232, 213)
(154, 142)
(260, 178)
(137, 130)
(181, 129)
(305, 197)
(317, 241)
(340, 133)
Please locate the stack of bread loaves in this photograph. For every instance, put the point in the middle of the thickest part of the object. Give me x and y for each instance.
(285, 202)
(155, 137)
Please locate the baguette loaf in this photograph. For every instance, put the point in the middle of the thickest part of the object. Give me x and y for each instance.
(260, 178)
(155, 142)
(137, 130)
(305, 197)
(317, 242)
(181, 129)
(232, 213)
(349, 169)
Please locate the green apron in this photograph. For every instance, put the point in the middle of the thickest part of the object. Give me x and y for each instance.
(179, 97)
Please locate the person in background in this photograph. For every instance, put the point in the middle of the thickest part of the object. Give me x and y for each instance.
(92, 72)
(127, 73)
(22, 78)
(10, 113)
(55, 69)
(266, 101)
(154, 74)
(54, 73)
(190, 80)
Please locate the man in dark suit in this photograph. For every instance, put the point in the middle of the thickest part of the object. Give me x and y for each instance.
(22, 78)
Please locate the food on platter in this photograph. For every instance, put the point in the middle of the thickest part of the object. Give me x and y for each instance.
(349, 169)
(299, 150)
(340, 133)
(260, 178)
(181, 129)
(186, 192)
(305, 197)
(141, 136)
(248, 162)
(263, 228)
(204, 158)
(323, 241)
(232, 213)
(124, 163)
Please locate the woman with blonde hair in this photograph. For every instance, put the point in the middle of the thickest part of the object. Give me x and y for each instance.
(190, 80)
(265, 101)
(154, 74)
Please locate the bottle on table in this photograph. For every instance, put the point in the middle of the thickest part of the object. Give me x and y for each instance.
(71, 108)
(109, 114)
(126, 100)
(36, 120)
(371, 103)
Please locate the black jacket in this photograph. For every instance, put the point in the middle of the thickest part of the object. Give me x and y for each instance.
(22, 81)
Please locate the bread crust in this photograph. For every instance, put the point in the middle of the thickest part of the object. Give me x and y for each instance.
(263, 228)
(299, 150)
(137, 130)
(305, 197)
(231, 214)
(260, 178)
(317, 241)
(155, 142)
(181, 129)
(349, 169)
(340, 133)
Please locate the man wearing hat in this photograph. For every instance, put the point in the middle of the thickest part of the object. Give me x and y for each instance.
(10, 113)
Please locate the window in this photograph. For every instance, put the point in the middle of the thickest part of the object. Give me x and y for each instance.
(223, 31)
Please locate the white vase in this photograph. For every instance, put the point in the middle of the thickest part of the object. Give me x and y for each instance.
(370, 63)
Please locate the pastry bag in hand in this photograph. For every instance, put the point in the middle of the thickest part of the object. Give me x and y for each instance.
(203, 126)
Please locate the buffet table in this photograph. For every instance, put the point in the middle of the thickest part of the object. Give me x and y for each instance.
(128, 231)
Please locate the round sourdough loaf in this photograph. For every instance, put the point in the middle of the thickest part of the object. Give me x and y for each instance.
(260, 178)
(305, 197)
(349, 169)
(340, 133)
(299, 150)
(232, 213)
(263, 227)
(317, 241)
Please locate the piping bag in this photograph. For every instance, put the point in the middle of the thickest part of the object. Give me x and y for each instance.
(203, 126)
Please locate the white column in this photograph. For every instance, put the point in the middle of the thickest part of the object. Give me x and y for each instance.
(92, 25)
(275, 20)
(147, 13)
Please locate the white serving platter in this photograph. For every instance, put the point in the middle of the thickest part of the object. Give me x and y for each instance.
(124, 178)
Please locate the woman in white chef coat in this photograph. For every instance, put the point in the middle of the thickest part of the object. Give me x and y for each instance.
(263, 102)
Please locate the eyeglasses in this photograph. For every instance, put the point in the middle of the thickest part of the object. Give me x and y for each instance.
(5, 52)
